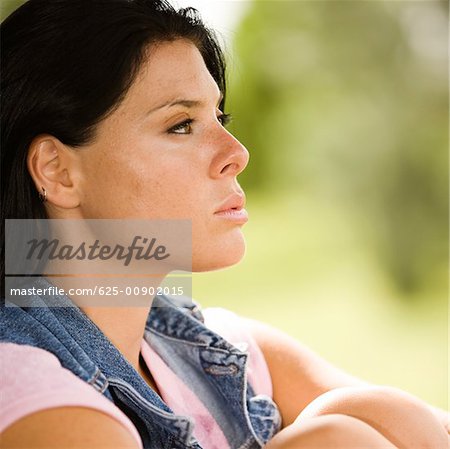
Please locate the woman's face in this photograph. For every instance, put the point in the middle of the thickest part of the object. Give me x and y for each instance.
(164, 154)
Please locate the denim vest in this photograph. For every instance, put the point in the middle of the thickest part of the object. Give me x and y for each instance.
(213, 368)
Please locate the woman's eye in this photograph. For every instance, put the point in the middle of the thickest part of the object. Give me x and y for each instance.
(184, 127)
(224, 119)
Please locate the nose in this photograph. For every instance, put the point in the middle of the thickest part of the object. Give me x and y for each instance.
(231, 158)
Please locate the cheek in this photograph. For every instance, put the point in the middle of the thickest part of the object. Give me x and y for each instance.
(165, 189)
(140, 185)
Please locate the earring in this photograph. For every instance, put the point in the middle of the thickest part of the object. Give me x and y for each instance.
(43, 195)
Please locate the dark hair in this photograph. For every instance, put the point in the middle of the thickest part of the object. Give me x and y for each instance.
(66, 65)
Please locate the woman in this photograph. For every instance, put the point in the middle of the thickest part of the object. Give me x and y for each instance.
(115, 110)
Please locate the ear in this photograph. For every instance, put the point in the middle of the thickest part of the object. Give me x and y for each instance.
(53, 166)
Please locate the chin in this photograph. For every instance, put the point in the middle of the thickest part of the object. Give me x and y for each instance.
(221, 256)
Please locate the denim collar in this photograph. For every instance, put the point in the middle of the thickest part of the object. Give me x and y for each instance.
(186, 325)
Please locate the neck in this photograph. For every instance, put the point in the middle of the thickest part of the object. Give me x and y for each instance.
(120, 317)
(123, 326)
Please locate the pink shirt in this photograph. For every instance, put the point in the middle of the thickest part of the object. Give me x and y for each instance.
(33, 379)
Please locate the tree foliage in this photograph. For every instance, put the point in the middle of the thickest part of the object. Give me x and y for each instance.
(347, 102)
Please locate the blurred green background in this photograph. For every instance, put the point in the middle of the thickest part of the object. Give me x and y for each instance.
(343, 106)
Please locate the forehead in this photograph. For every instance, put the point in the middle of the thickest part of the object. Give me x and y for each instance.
(172, 70)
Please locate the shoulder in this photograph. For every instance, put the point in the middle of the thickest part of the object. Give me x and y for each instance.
(68, 427)
(34, 385)
(229, 325)
(298, 373)
(34, 325)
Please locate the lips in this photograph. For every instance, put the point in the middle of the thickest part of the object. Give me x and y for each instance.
(234, 202)
(232, 209)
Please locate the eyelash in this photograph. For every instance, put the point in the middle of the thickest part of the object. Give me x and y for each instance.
(224, 119)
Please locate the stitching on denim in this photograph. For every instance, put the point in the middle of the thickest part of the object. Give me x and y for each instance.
(221, 370)
(139, 400)
(248, 444)
(63, 343)
(190, 343)
(245, 386)
(232, 350)
(103, 386)
(136, 398)
(97, 382)
(95, 376)
(274, 418)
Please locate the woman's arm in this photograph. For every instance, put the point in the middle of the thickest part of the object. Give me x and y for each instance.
(406, 421)
(298, 374)
(69, 428)
(443, 417)
(306, 387)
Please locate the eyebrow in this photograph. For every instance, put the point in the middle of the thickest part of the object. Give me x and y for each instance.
(181, 102)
